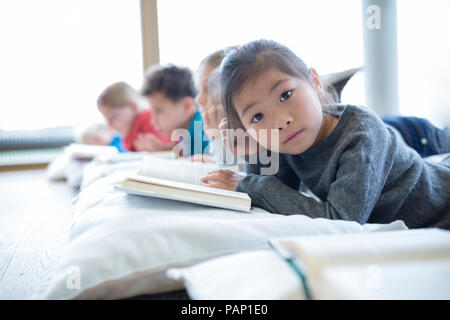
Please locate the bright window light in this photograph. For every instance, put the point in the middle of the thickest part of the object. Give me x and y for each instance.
(326, 34)
(57, 56)
(424, 59)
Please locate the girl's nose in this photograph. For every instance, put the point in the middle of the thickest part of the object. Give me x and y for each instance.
(285, 121)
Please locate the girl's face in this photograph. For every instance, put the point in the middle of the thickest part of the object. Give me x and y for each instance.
(203, 98)
(120, 118)
(286, 104)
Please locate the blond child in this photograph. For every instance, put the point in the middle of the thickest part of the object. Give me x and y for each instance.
(124, 110)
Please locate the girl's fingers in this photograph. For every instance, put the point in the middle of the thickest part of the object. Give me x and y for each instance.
(222, 171)
(212, 177)
(217, 176)
(220, 185)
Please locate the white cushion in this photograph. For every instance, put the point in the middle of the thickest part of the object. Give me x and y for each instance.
(63, 167)
(122, 245)
(261, 275)
(254, 275)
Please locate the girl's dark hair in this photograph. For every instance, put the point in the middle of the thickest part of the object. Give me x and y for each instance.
(173, 81)
(247, 62)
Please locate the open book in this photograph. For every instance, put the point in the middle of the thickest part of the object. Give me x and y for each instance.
(408, 264)
(180, 180)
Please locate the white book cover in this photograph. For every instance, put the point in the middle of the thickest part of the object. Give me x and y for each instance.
(180, 180)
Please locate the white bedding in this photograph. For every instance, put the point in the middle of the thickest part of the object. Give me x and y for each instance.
(262, 274)
(122, 245)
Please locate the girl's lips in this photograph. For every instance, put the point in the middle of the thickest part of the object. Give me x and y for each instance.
(293, 135)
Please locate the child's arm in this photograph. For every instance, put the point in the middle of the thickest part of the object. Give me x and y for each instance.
(226, 179)
(285, 173)
(360, 177)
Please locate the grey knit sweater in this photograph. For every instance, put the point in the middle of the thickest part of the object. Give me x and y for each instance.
(362, 172)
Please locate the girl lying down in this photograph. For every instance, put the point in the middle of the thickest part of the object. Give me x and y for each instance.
(358, 167)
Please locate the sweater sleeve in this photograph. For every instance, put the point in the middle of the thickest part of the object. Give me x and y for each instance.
(284, 173)
(360, 177)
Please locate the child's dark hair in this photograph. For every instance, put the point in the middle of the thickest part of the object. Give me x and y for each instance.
(247, 62)
(173, 81)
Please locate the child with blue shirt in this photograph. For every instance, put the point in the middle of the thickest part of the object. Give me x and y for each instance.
(171, 93)
(359, 168)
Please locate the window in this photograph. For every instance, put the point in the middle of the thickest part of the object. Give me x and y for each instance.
(315, 30)
(57, 56)
(327, 35)
(424, 59)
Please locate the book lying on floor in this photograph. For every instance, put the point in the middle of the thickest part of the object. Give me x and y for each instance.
(180, 180)
(81, 151)
(408, 264)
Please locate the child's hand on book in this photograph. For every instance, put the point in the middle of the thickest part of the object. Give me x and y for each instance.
(222, 179)
(211, 121)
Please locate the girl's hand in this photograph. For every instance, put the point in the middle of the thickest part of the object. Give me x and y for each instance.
(222, 179)
(211, 120)
(250, 146)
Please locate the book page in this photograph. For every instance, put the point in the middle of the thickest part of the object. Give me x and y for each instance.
(177, 169)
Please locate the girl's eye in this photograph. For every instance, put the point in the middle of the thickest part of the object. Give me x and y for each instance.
(257, 117)
(285, 95)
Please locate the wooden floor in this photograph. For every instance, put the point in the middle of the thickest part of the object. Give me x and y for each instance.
(34, 225)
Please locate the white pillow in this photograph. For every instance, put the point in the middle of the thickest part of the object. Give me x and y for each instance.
(122, 245)
(129, 162)
(96, 170)
(261, 275)
(63, 167)
(254, 275)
